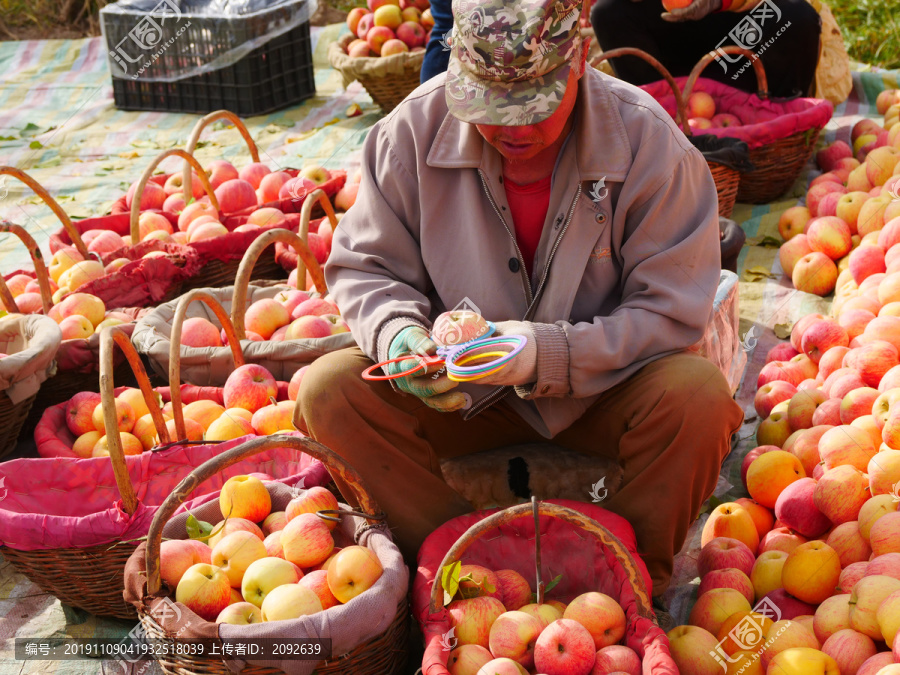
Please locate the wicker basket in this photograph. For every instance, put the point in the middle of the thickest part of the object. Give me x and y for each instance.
(727, 179)
(776, 165)
(388, 89)
(624, 579)
(92, 578)
(384, 654)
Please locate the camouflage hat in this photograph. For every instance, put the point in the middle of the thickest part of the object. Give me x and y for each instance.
(510, 61)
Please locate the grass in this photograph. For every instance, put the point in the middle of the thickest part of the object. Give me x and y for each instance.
(871, 30)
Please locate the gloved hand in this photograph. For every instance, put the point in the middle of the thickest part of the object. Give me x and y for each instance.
(694, 11)
(523, 367)
(422, 384)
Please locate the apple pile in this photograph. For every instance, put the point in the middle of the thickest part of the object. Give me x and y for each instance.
(254, 185)
(250, 407)
(390, 27)
(259, 565)
(888, 104)
(842, 232)
(501, 631)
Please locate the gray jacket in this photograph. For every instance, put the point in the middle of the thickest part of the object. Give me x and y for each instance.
(625, 272)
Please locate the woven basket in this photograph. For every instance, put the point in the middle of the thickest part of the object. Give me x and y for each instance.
(387, 90)
(517, 544)
(776, 165)
(12, 419)
(382, 655)
(727, 179)
(92, 578)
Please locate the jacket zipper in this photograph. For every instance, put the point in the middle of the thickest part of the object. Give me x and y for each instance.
(491, 398)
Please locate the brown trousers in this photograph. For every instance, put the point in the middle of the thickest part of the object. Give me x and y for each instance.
(669, 426)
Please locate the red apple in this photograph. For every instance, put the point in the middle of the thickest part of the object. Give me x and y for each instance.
(821, 336)
(796, 508)
(725, 553)
(564, 647)
(249, 387)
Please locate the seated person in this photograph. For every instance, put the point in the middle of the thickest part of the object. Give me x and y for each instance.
(566, 207)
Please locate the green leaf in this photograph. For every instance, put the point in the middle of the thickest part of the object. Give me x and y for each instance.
(549, 587)
(35, 145)
(28, 128)
(450, 581)
(193, 527)
(199, 529)
(8, 138)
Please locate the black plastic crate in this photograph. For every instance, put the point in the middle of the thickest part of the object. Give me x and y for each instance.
(272, 76)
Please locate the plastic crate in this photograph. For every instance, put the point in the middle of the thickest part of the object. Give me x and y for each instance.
(174, 68)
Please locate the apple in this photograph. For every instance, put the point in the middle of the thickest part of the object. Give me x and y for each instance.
(289, 601)
(848, 544)
(715, 606)
(884, 536)
(544, 613)
(796, 508)
(876, 663)
(829, 235)
(317, 174)
(226, 527)
(866, 598)
(353, 17)
(762, 517)
(472, 618)
(771, 394)
(294, 384)
(802, 406)
(152, 197)
(265, 574)
(176, 556)
(811, 572)
(783, 351)
(125, 417)
(514, 590)
(313, 500)
(249, 387)
(817, 192)
(888, 616)
(220, 171)
(513, 635)
(831, 616)
(701, 104)
(234, 553)
(770, 473)
(245, 497)
(600, 615)
(467, 659)
(802, 661)
(353, 571)
(780, 371)
(822, 335)
(502, 666)
(564, 647)
(317, 582)
(733, 521)
(306, 540)
(690, 648)
(846, 445)
(792, 252)
(725, 553)
(851, 574)
(80, 411)
(766, 573)
(841, 493)
(205, 590)
(727, 578)
(616, 659)
(828, 156)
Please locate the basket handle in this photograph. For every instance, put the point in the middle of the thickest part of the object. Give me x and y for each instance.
(680, 98)
(40, 269)
(761, 82)
(175, 348)
(572, 516)
(201, 124)
(239, 299)
(108, 338)
(139, 190)
(333, 462)
(6, 297)
(317, 196)
(39, 190)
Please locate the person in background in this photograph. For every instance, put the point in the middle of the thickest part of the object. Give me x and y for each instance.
(437, 53)
(783, 33)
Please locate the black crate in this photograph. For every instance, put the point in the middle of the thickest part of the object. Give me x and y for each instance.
(277, 74)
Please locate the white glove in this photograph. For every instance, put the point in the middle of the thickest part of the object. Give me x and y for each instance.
(522, 369)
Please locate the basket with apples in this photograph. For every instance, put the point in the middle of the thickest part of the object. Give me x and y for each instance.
(781, 135)
(28, 346)
(280, 328)
(385, 48)
(476, 605)
(251, 402)
(69, 524)
(315, 568)
(843, 239)
(726, 176)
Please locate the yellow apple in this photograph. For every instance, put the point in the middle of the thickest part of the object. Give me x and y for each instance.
(690, 647)
(204, 589)
(135, 399)
(240, 614)
(228, 427)
(544, 613)
(289, 602)
(872, 510)
(715, 606)
(766, 573)
(245, 497)
(264, 575)
(733, 521)
(803, 661)
(234, 553)
(353, 571)
(204, 412)
(785, 635)
(811, 572)
(866, 598)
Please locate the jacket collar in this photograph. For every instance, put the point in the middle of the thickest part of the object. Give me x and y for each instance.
(598, 125)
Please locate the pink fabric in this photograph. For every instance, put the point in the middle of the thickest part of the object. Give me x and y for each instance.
(590, 567)
(53, 438)
(63, 502)
(765, 121)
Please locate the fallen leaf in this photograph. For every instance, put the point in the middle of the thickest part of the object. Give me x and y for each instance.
(783, 330)
(763, 240)
(129, 155)
(758, 273)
